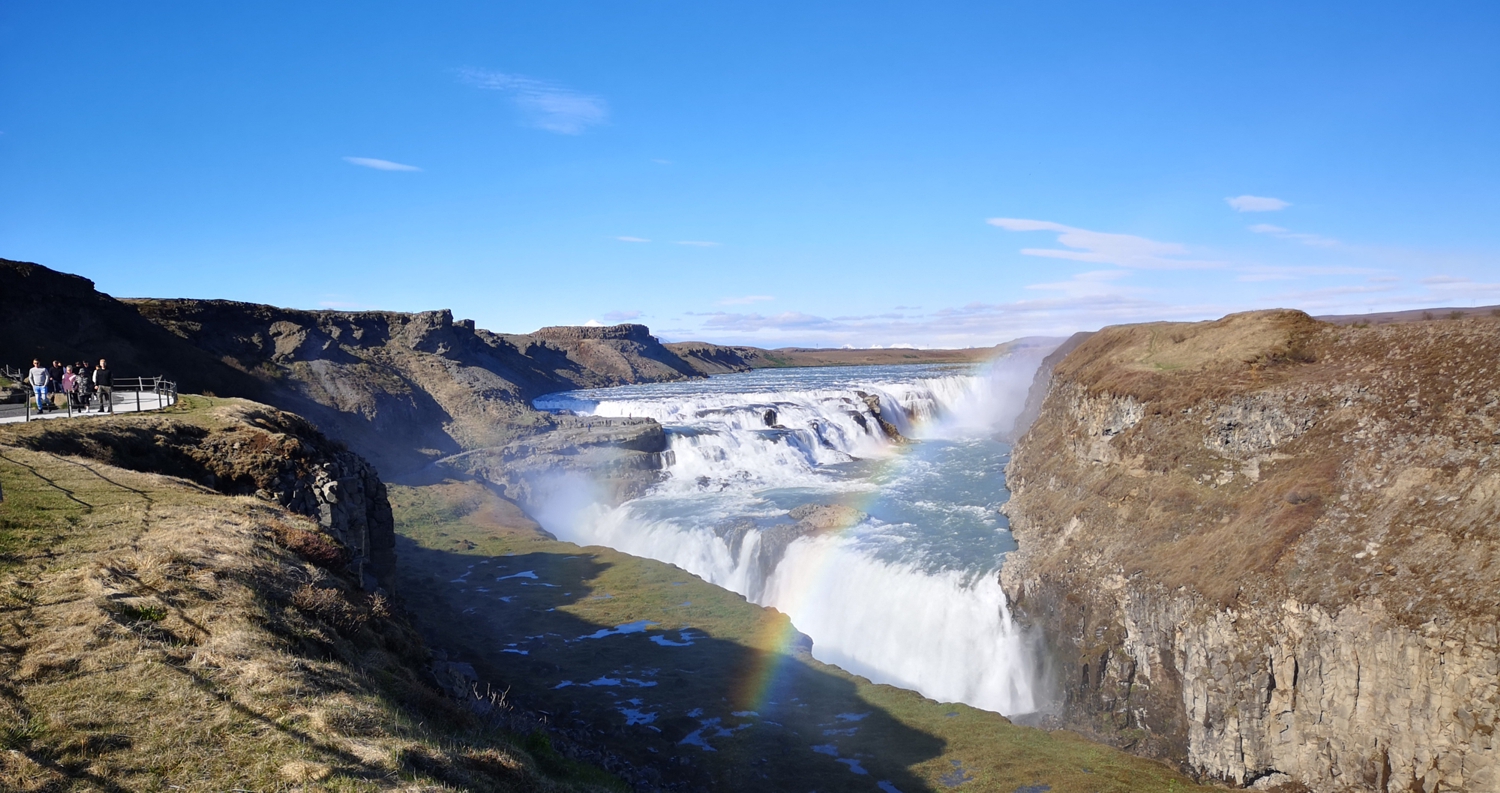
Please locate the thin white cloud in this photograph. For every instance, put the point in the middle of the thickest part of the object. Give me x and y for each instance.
(545, 104)
(746, 300)
(632, 239)
(698, 243)
(1256, 273)
(1255, 203)
(622, 316)
(1123, 250)
(380, 165)
(1315, 240)
(1094, 283)
(1454, 289)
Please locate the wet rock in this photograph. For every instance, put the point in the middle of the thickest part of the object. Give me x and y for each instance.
(872, 403)
(609, 459)
(823, 517)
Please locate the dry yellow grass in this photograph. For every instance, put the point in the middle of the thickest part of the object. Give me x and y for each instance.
(156, 635)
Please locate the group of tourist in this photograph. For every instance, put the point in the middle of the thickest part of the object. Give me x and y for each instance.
(79, 382)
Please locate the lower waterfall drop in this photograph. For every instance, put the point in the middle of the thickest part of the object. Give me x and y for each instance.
(903, 587)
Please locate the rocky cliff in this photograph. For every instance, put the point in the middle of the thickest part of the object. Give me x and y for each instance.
(56, 316)
(244, 449)
(410, 389)
(1265, 548)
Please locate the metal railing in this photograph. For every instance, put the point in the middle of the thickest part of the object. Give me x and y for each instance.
(160, 387)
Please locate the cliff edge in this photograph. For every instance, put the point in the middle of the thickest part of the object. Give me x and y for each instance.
(1265, 548)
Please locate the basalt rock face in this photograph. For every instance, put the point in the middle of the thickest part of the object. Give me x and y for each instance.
(410, 389)
(709, 358)
(599, 459)
(50, 315)
(1268, 548)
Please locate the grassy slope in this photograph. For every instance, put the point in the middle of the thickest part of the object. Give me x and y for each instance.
(526, 633)
(155, 634)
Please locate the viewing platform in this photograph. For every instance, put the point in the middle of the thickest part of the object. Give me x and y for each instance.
(131, 395)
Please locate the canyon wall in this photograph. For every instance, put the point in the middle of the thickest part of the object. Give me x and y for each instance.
(1264, 548)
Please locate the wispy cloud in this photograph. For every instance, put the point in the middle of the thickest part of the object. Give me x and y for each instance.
(974, 324)
(545, 104)
(1124, 250)
(380, 165)
(698, 243)
(1453, 289)
(632, 239)
(1255, 203)
(622, 316)
(1093, 283)
(1256, 273)
(786, 320)
(1315, 240)
(746, 300)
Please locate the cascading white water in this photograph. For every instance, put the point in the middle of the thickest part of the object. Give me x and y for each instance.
(909, 596)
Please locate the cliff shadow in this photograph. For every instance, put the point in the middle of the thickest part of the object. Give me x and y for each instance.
(628, 656)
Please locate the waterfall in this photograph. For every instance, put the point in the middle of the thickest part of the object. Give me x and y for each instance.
(887, 598)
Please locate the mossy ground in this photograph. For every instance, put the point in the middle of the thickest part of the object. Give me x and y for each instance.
(154, 636)
(711, 692)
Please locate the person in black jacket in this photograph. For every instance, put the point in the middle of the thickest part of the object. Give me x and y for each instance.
(56, 373)
(104, 383)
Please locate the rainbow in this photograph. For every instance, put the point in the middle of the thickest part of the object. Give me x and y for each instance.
(774, 645)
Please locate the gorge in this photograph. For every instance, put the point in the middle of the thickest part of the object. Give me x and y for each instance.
(1258, 549)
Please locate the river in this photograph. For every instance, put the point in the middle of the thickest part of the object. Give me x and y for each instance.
(905, 589)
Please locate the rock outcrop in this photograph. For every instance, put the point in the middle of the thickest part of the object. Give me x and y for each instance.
(1268, 548)
(409, 389)
(615, 459)
(57, 316)
(244, 449)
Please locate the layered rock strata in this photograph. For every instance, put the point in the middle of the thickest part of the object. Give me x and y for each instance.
(1265, 548)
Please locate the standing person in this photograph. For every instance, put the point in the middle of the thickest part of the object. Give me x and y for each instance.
(57, 377)
(85, 379)
(70, 385)
(39, 378)
(104, 383)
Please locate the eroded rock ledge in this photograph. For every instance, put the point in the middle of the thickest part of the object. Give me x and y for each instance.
(1265, 548)
(245, 449)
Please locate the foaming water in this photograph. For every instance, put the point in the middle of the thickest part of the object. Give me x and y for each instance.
(908, 596)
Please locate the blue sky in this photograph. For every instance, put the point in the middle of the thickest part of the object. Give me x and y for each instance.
(933, 174)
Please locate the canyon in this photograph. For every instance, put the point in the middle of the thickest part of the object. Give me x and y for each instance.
(1258, 549)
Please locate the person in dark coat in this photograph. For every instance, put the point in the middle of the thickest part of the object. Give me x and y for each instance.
(104, 383)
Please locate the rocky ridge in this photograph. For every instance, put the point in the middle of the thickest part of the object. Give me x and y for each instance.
(1265, 548)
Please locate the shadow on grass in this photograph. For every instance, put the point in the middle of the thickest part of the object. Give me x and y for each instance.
(349, 764)
(703, 712)
(50, 483)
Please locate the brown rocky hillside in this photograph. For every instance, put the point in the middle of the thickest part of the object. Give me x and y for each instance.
(1268, 548)
(188, 602)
